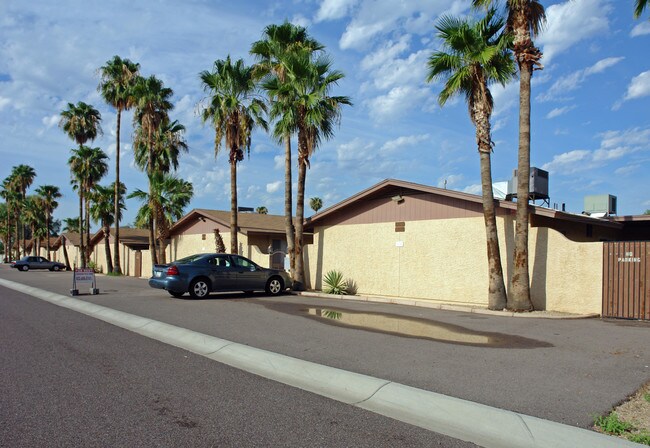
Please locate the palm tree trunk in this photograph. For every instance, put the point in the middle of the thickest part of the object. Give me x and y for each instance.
(81, 228)
(152, 209)
(88, 247)
(519, 297)
(234, 226)
(299, 279)
(47, 233)
(65, 253)
(17, 240)
(107, 247)
(288, 205)
(116, 243)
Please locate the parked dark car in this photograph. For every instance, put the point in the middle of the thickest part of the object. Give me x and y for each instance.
(204, 273)
(29, 262)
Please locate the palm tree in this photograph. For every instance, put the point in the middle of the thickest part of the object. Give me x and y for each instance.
(477, 55)
(271, 52)
(639, 7)
(525, 19)
(305, 104)
(81, 123)
(262, 210)
(315, 204)
(152, 105)
(234, 111)
(102, 211)
(118, 77)
(34, 217)
(87, 167)
(70, 225)
(49, 195)
(12, 198)
(170, 196)
(168, 141)
(23, 176)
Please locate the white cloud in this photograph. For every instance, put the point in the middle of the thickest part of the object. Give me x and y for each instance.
(641, 29)
(566, 161)
(273, 187)
(402, 142)
(450, 181)
(50, 121)
(639, 86)
(396, 72)
(4, 102)
(573, 81)
(635, 137)
(473, 189)
(334, 9)
(571, 22)
(278, 162)
(388, 51)
(559, 111)
(396, 103)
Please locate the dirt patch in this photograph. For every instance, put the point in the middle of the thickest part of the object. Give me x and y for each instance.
(637, 409)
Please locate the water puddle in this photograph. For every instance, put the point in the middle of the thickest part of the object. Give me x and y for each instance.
(410, 327)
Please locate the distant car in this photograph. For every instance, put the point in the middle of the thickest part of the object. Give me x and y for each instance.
(202, 274)
(27, 263)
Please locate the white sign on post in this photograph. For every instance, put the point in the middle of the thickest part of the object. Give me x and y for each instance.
(83, 276)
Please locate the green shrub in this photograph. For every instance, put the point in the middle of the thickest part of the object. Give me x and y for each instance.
(611, 424)
(335, 283)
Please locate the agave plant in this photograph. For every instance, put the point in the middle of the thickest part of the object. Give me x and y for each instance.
(335, 283)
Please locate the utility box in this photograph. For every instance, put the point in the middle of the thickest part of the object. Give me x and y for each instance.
(538, 187)
(600, 204)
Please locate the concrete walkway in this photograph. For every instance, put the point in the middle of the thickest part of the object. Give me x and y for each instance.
(483, 425)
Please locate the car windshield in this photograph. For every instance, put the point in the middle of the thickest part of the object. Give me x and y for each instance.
(190, 259)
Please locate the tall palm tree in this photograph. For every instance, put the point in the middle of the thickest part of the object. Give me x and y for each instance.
(476, 56)
(639, 7)
(305, 104)
(81, 122)
(102, 211)
(315, 204)
(23, 177)
(49, 194)
(170, 197)
(87, 167)
(271, 52)
(118, 77)
(11, 198)
(34, 217)
(234, 111)
(168, 143)
(525, 19)
(152, 105)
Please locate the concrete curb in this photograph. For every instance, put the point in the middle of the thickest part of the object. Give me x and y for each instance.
(442, 306)
(472, 422)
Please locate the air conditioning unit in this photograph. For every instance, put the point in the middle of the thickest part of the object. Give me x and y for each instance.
(604, 204)
(538, 187)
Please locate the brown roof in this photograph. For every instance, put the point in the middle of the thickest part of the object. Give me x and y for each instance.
(128, 236)
(73, 237)
(248, 222)
(394, 187)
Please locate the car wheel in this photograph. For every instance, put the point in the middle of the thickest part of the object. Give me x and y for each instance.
(56, 268)
(24, 268)
(199, 288)
(274, 286)
(176, 294)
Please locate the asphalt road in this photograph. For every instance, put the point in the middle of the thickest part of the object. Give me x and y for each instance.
(564, 370)
(70, 380)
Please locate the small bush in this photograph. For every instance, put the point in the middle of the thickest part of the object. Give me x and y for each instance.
(611, 424)
(646, 397)
(335, 283)
(351, 287)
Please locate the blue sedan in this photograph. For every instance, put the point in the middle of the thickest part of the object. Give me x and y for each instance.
(204, 273)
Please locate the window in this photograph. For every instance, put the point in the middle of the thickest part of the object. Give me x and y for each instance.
(243, 262)
(219, 261)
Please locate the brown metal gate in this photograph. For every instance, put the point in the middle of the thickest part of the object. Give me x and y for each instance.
(626, 272)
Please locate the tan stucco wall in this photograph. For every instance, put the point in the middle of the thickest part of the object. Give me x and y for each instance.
(73, 255)
(185, 245)
(446, 261)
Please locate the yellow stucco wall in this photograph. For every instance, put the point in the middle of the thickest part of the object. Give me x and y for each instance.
(446, 261)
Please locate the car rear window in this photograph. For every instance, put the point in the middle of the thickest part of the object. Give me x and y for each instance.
(190, 259)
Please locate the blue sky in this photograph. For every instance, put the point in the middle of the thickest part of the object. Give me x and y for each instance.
(590, 120)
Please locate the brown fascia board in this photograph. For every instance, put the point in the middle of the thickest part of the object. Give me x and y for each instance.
(509, 205)
(630, 218)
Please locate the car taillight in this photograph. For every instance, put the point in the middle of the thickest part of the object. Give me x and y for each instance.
(172, 270)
